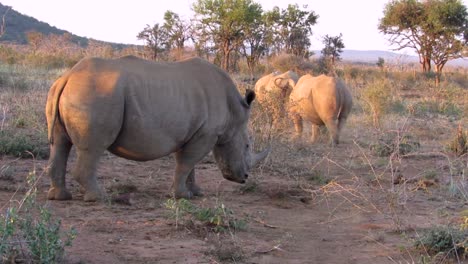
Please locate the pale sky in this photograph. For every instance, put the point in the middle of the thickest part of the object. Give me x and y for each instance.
(120, 20)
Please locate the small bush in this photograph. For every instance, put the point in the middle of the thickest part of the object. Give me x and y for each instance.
(218, 218)
(429, 107)
(444, 239)
(318, 177)
(29, 228)
(401, 145)
(459, 144)
(228, 251)
(378, 98)
(20, 145)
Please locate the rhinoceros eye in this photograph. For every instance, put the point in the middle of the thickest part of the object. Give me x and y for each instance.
(247, 145)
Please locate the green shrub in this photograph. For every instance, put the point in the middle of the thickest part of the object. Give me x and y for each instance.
(21, 145)
(400, 145)
(444, 239)
(219, 218)
(459, 144)
(378, 99)
(29, 227)
(429, 107)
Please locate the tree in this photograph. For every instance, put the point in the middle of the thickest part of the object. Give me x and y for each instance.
(255, 38)
(273, 41)
(35, 40)
(3, 25)
(223, 22)
(435, 29)
(333, 48)
(177, 32)
(381, 63)
(296, 28)
(156, 40)
(448, 23)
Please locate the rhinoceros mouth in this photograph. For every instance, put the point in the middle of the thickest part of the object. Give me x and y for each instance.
(230, 177)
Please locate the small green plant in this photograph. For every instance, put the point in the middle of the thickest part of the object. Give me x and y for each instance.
(228, 250)
(29, 227)
(428, 107)
(378, 98)
(219, 218)
(317, 177)
(430, 175)
(20, 145)
(444, 239)
(459, 144)
(249, 187)
(400, 145)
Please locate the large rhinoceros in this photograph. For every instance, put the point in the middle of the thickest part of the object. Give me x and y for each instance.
(141, 110)
(273, 91)
(322, 100)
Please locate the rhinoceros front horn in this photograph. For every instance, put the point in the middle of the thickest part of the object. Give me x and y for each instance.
(259, 157)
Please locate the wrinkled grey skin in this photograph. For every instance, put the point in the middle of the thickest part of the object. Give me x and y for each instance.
(141, 110)
(322, 100)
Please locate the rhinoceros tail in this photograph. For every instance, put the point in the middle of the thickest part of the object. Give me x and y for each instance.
(53, 101)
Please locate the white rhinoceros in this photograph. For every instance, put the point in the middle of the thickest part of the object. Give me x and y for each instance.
(142, 110)
(273, 91)
(322, 100)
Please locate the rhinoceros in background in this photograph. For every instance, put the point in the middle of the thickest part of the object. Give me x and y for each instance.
(322, 100)
(273, 91)
(141, 110)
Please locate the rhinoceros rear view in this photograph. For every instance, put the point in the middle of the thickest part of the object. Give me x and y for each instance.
(141, 110)
(322, 100)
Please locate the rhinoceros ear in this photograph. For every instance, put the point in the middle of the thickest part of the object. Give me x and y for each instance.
(249, 96)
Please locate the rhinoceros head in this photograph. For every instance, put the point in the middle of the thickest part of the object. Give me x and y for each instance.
(234, 156)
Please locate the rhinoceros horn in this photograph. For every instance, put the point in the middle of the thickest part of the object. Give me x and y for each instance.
(260, 156)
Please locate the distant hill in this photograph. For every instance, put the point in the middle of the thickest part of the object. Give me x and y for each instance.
(17, 25)
(371, 56)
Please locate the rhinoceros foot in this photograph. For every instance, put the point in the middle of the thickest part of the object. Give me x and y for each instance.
(183, 194)
(92, 196)
(196, 191)
(58, 194)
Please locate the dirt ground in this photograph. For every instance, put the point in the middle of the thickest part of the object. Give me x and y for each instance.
(306, 204)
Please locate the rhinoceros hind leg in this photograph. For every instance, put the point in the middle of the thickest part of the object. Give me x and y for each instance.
(332, 126)
(298, 127)
(315, 133)
(57, 165)
(85, 173)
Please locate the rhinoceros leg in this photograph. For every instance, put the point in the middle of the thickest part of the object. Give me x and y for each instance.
(315, 133)
(192, 186)
(59, 152)
(298, 127)
(85, 173)
(186, 158)
(332, 126)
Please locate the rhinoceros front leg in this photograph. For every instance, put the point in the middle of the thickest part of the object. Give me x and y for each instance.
(85, 173)
(184, 177)
(56, 169)
(191, 185)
